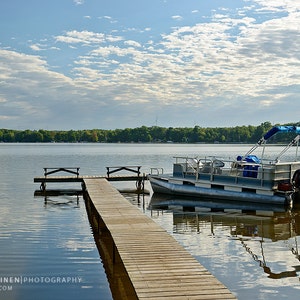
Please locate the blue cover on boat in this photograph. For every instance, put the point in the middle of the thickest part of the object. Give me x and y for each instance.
(250, 170)
(249, 158)
(276, 129)
(252, 159)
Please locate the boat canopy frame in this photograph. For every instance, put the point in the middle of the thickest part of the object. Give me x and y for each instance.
(274, 130)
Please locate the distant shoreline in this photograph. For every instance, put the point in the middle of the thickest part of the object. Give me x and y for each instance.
(154, 135)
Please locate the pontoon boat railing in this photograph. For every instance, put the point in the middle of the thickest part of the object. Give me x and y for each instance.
(265, 170)
(156, 171)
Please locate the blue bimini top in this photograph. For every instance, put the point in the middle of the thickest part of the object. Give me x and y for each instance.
(284, 129)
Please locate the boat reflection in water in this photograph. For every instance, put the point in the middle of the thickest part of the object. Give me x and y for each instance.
(254, 226)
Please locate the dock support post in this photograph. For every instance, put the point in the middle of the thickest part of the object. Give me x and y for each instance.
(43, 186)
(140, 184)
(114, 252)
(98, 223)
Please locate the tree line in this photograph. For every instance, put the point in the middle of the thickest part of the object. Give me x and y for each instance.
(144, 134)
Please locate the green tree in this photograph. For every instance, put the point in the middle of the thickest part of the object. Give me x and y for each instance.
(8, 136)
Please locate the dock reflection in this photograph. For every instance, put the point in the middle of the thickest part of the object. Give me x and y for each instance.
(117, 276)
(254, 226)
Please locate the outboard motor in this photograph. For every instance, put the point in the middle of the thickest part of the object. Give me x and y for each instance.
(296, 185)
(296, 179)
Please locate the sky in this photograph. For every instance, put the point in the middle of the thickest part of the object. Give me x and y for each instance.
(86, 64)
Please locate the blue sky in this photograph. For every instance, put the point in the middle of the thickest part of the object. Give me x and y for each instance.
(84, 64)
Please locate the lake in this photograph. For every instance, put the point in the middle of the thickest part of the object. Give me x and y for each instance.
(47, 250)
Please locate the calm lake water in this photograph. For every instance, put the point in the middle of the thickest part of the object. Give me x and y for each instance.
(47, 250)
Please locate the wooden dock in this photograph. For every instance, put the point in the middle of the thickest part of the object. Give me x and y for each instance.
(157, 266)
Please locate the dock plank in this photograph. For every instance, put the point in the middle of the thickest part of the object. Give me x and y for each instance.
(157, 265)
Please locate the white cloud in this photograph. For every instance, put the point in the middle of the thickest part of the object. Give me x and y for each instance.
(35, 47)
(228, 64)
(266, 102)
(278, 5)
(177, 18)
(2, 99)
(78, 2)
(109, 18)
(86, 38)
(26, 83)
(132, 43)
(83, 37)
